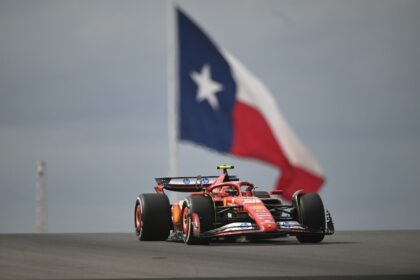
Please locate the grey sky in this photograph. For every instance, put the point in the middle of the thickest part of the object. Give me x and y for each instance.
(83, 86)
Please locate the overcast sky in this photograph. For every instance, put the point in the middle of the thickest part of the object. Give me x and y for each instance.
(83, 86)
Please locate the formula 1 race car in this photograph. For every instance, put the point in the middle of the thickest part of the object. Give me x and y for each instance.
(223, 207)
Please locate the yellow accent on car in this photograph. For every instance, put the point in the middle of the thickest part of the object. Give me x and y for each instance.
(225, 167)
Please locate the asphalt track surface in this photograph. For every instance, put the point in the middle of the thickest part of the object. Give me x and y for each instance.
(345, 255)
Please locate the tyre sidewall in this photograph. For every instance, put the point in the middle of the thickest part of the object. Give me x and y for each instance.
(311, 214)
(156, 216)
(202, 206)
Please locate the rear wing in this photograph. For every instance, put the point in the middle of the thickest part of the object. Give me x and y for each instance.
(189, 184)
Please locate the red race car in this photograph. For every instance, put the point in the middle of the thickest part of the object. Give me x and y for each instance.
(223, 207)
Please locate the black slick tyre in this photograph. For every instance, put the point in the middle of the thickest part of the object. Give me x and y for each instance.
(152, 217)
(311, 214)
(201, 208)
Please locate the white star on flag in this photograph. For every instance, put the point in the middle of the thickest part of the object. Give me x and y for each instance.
(207, 88)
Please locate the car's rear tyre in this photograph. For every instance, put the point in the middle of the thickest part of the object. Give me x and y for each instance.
(261, 194)
(152, 217)
(311, 213)
(197, 217)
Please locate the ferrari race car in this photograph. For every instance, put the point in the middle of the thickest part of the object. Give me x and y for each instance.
(223, 207)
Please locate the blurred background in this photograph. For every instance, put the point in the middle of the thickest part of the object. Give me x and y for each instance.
(83, 86)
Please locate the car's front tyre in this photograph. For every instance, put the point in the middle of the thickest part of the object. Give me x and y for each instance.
(311, 213)
(197, 217)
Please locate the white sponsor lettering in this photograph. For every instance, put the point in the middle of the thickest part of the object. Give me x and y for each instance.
(289, 224)
(252, 200)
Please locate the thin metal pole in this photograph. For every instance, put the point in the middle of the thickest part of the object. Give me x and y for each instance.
(41, 198)
(172, 85)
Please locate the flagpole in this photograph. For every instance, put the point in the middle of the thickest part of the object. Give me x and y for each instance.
(172, 85)
(41, 198)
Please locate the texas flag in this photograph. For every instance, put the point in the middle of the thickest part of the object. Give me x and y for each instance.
(224, 107)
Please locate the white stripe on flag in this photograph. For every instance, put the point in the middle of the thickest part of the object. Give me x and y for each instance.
(251, 91)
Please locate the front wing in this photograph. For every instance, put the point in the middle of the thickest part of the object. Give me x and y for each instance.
(247, 228)
(283, 228)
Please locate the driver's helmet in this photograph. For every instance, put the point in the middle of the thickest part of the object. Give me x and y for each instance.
(230, 190)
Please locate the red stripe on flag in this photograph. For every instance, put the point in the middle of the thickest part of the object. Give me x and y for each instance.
(252, 137)
(299, 179)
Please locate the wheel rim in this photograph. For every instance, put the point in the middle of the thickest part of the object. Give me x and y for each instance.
(138, 219)
(185, 221)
